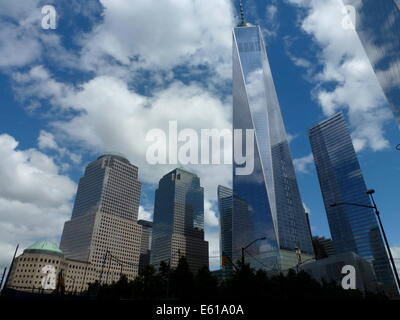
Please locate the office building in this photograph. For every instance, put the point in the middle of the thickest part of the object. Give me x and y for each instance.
(353, 228)
(330, 270)
(269, 204)
(42, 268)
(323, 247)
(145, 244)
(225, 205)
(103, 228)
(178, 224)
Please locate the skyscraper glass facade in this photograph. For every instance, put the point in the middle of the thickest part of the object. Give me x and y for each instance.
(378, 26)
(178, 225)
(353, 229)
(267, 202)
(225, 205)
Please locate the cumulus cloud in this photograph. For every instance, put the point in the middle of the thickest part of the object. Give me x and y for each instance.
(23, 41)
(161, 35)
(145, 214)
(34, 197)
(110, 116)
(210, 216)
(303, 164)
(346, 71)
(46, 141)
(17, 45)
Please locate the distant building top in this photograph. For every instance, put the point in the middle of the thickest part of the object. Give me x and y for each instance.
(44, 247)
(145, 223)
(117, 155)
(177, 170)
(327, 121)
(184, 170)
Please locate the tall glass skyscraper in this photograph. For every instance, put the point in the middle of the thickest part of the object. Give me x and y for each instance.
(268, 202)
(378, 26)
(178, 225)
(353, 229)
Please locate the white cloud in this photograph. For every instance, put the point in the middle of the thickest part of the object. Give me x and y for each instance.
(17, 45)
(347, 70)
(23, 41)
(145, 214)
(210, 216)
(272, 10)
(302, 164)
(306, 208)
(160, 35)
(34, 197)
(291, 137)
(212, 236)
(112, 117)
(46, 141)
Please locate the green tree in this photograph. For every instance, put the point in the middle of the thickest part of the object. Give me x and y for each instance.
(206, 285)
(182, 281)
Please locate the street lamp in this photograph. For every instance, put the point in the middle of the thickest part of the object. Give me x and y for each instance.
(244, 248)
(377, 213)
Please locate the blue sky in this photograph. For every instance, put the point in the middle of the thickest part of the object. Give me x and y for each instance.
(114, 69)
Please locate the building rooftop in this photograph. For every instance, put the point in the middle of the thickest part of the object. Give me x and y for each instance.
(187, 171)
(145, 223)
(44, 247)
(117, 155)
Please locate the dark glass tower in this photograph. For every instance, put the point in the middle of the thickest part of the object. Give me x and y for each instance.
(178, 226)
(268, 200)
(225, 205)
(378, 26)
(353, 229)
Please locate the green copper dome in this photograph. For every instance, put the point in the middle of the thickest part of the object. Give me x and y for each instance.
(44, 247)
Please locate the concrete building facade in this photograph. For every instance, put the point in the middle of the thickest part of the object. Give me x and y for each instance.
(43, 268)
(103, 228)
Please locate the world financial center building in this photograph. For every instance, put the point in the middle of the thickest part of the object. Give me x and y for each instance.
(103, 229)
(267, 202)
(178, 226)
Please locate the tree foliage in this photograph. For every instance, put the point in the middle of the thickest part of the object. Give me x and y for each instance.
(245, 284)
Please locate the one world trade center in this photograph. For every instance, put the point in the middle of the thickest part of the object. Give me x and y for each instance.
(269, 225)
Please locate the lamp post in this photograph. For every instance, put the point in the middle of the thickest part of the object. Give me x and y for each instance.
(11, 268)
(377, 213)
(3, 277)
(251, 243)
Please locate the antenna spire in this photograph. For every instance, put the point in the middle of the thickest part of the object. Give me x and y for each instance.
(242, 15)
